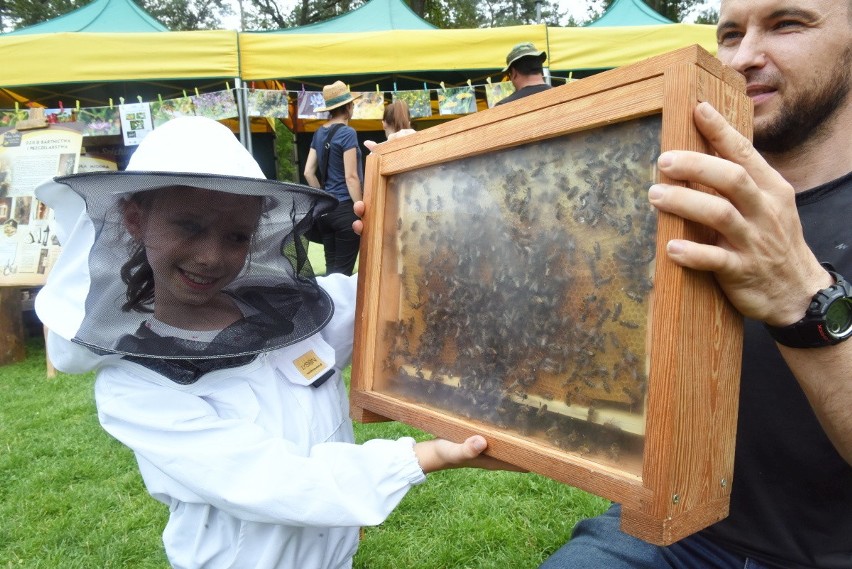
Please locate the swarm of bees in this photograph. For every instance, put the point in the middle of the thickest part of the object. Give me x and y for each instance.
(524, 284)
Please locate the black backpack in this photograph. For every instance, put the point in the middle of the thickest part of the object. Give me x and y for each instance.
(322, 170)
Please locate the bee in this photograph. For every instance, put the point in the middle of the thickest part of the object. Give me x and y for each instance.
(616, 313)
(614, 451)
(634, 296)
(592, 416)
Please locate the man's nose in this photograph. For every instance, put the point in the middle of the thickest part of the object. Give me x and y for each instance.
(749, 54)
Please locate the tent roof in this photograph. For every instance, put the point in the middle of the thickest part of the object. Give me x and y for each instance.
(115, 16)
(629, 13)
(392, 51)
(448, 53)
(88, 59)
(374, 16)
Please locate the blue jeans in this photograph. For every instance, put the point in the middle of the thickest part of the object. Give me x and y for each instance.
(599, 543)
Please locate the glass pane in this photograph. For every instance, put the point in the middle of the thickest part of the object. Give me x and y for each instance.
(516, 287)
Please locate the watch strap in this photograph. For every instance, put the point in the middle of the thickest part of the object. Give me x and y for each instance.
(811, 331)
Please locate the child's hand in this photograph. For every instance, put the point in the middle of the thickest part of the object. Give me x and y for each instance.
(439, 454)
(370, 144)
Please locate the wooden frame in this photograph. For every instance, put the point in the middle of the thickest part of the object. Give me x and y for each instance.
(513, 283)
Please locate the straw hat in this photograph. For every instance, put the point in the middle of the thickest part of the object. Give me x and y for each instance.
(526, 49)
(336, 95)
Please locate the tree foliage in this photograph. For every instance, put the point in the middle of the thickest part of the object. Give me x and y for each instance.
(16, 14)
(187, 14)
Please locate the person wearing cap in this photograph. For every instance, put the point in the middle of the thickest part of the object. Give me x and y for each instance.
(184, 283)
(334, 165)
(524, 66)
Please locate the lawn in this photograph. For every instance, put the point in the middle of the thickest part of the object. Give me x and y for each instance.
(71, 497)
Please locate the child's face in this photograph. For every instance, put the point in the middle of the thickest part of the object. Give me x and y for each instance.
(196, 242)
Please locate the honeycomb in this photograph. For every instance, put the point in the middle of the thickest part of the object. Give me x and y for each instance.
(523, 284)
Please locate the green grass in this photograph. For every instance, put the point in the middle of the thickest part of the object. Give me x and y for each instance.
(71, 497)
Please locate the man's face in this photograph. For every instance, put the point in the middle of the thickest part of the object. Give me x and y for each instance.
(796, 57)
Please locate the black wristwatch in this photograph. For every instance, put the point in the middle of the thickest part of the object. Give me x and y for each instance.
(828, 320)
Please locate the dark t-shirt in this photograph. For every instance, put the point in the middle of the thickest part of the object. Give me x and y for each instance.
(524, 92)
(344, 139)
(791, 500)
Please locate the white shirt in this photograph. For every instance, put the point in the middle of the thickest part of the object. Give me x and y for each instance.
(258, 467)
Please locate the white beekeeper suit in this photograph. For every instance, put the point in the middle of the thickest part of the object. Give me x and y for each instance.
(246, 438)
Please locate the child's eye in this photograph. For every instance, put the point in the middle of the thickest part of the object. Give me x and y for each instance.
(239, 237)
(189, 227)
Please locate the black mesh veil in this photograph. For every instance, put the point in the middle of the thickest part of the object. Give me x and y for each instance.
(274, 289)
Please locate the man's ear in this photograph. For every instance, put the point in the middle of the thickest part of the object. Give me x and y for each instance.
(134, 219)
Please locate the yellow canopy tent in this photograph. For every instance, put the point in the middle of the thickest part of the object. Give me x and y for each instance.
(581, 50)
(387, 60)
(78, 65)
(412, 59)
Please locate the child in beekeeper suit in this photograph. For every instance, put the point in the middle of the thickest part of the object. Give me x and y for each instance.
(185, 283)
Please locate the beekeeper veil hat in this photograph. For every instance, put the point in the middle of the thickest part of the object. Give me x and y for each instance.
(85, 296)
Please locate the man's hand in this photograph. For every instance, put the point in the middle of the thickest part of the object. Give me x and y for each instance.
(360, 208)
(760, 257)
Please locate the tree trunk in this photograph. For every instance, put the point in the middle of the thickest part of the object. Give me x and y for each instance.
(11, 326)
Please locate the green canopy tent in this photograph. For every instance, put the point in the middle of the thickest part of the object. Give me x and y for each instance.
(374, 16)
(629, 13)
(114, 16)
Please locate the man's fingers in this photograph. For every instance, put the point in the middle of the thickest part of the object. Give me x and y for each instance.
(731, 145)
(709, 210)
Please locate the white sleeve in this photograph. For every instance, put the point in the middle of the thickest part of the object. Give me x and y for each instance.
(237, 466)
(340, 331)
(69, 357)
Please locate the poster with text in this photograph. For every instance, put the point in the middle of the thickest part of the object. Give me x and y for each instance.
(135, 122)
(28, 246)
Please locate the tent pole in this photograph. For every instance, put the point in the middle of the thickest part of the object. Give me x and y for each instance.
(242, 114)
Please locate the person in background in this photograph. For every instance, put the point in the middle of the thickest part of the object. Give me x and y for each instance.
(219, 355)
(396, 122)
(10, 228)
(334, 164)
(783, 257)
(524, 66)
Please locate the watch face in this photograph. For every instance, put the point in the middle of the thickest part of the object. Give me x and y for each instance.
(838, 318)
